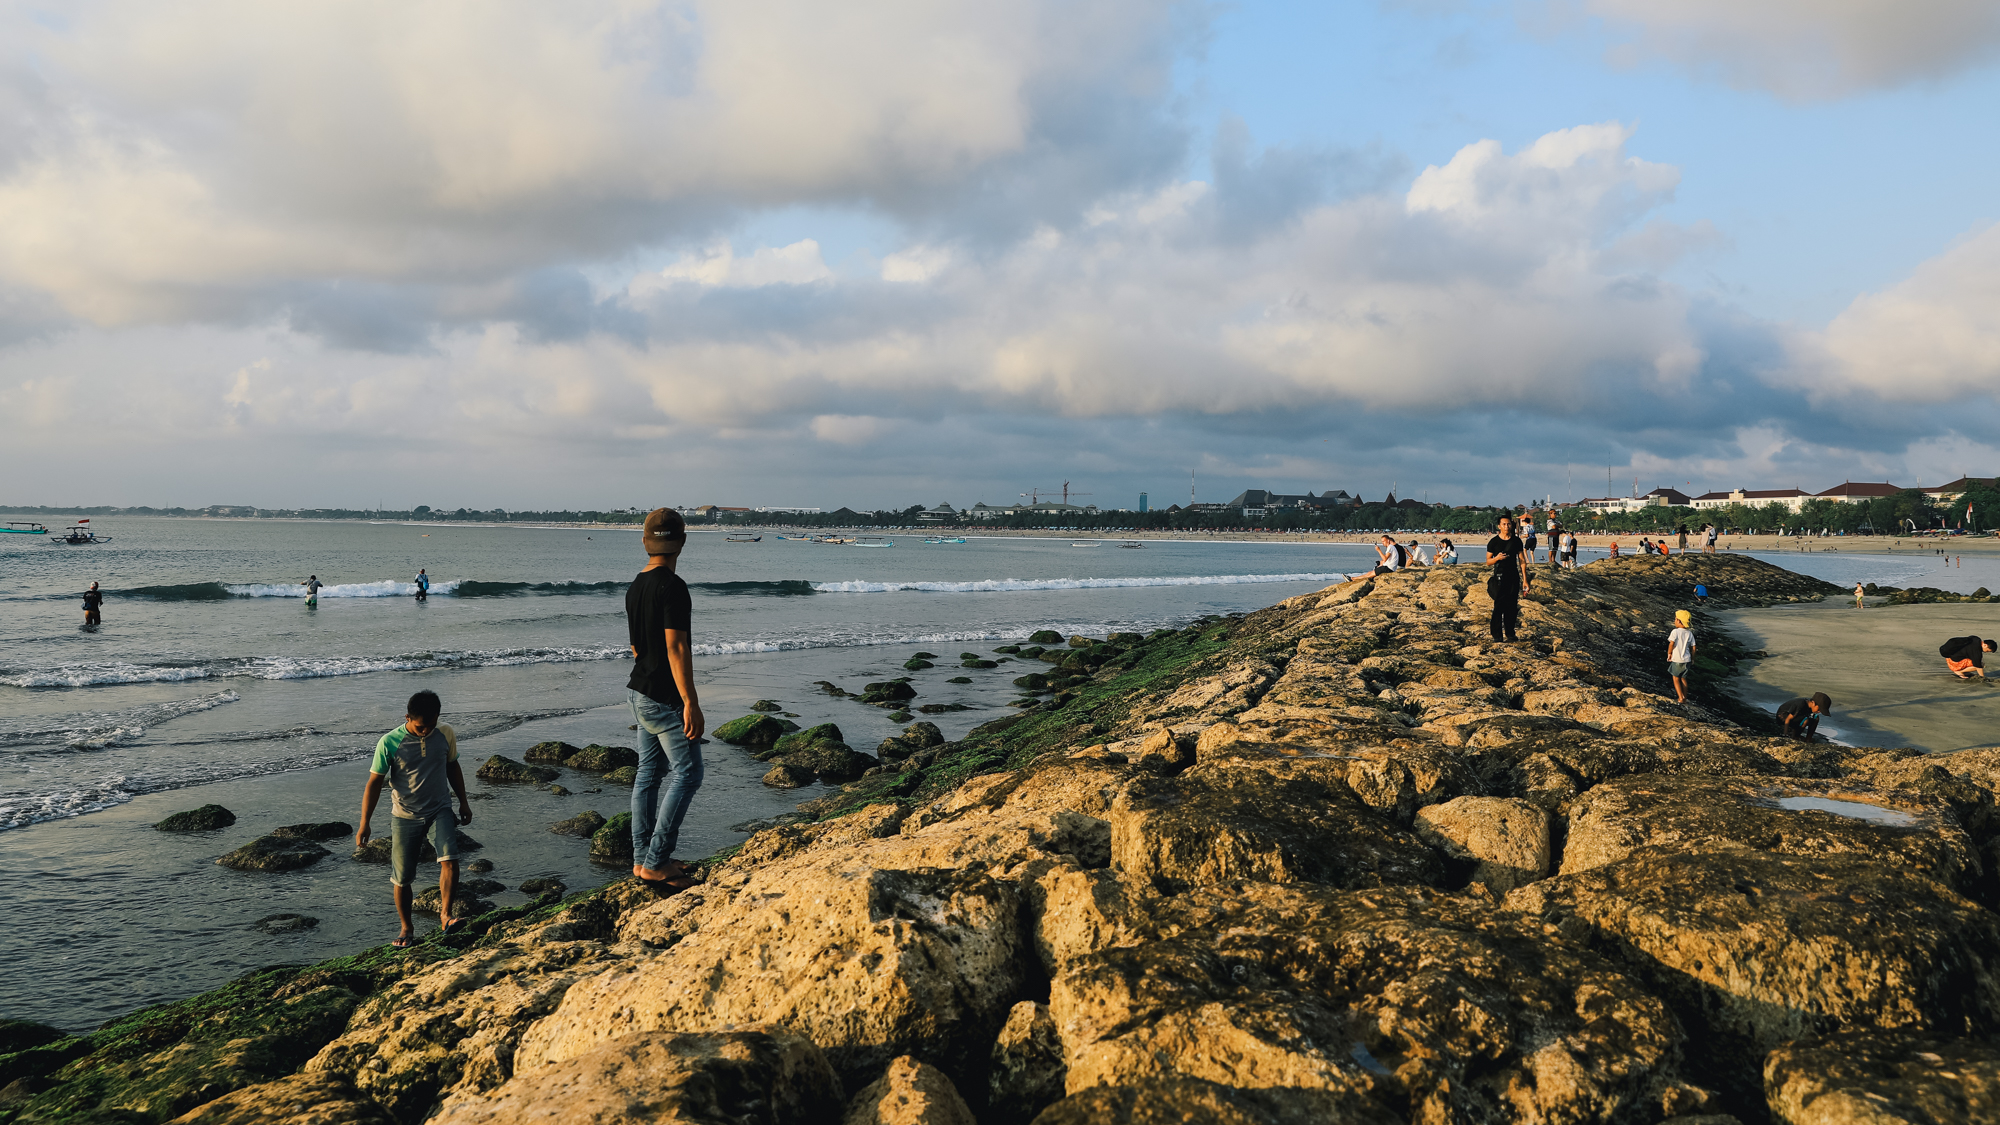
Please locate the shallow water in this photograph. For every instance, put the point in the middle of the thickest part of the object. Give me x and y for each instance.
(212, 681)
(1857, 810)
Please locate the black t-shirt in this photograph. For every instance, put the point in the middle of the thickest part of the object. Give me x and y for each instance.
(1965, 648)
(1508, 568)
(656, 601)
(1796, 711)
(92, 599)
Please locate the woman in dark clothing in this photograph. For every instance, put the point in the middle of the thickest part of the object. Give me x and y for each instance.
(1510, 580)
(1966, 656)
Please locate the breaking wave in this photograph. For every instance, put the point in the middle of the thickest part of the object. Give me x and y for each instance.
(1018, 585)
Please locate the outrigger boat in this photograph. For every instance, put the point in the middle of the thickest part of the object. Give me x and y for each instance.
(739, 539)
(23, 528)
(1133, 546)
(77, 534)
(936, 542)
(874, 541)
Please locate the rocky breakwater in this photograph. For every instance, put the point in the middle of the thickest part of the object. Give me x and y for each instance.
(1340, 860)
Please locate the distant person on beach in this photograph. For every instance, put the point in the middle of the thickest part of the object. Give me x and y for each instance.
(1860, 592)
(1966, 656)
(1390, 555)
(1683, 536)
(1799, 718)
(1680, 652)
(1708, 539)
(423, 585)
(417, 761)
(1528, 538)
(93, 605)
(658, 620)
(1509, 580)
(1555, 542)
(1613, 553)
(1447, 553)
(1569, 549)
(312, 586)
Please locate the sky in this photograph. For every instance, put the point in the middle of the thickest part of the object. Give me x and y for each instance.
(888, 252)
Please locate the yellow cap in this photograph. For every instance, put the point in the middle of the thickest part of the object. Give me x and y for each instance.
(1683, 617)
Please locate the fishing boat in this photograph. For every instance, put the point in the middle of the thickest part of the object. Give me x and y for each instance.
(1083, 544)
(23, 528)
(1133, 546)
(936, 542)
(836, 539)
(77, 534)
(744, 539)
(881, 543)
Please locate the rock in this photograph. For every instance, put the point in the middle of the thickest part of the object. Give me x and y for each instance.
(1045, 637)
(888, 691)
(558, 791)
(1870, 1077)
(1127, 638)
(204, 819)
(959, 680)
(551, 753)
(785, 775)
(832, 762)
(765, 705)
(909, 1093)
(302, 1099)
(869, 963)
(1030, 653)
(1500, 842)
(1216, 824)
(761, 1076)
(477, 866)
(1027, 1069)
(915, 737)
(1008, 650)
(464, 903)
(274, 853)
(1188, 1101)
(830, 688)
(501, 768)
(756, 732)
(583, 824)
(1033, 681)
(285, 923)
(917, 665)
(480, 886)
(923, 656)
(613, 842)
(977, 662)
(942, 708)
(326, 830)
(624, 775)
(1163, 750)
(793, 743)
(22, 1035)
(1081, 642)
(1755, 949)
(542, 885)
(900, 716)
(597, 759)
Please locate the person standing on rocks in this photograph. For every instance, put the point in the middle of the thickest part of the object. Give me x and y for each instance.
(1509, 581)
(1680, 652)
(1708, 540)
(665, 709)
(417, 761)
(1799, 718)
(1528, 538)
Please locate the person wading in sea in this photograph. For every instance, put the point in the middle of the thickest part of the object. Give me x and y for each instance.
(1509, 581)
(658, 613)
(93, 604)
(417, 761)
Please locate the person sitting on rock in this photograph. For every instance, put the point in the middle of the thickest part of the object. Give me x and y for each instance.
(416, 761)
(1447, 553)
(1966, 656)
(1391, 555)
(1799, 718)
(1614, 550)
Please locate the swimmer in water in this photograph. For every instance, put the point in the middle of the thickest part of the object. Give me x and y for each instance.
(423, 585)
(312, 585)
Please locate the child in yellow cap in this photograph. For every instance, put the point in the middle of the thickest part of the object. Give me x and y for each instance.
(1680, 652)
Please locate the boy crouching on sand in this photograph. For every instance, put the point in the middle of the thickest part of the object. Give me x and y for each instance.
(417, 760)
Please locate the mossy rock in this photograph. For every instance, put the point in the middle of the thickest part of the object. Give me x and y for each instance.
(915, 737)
(325, 830)
(831, 688)
(1033, 681)
(969, 656)
(959, 680)
(1054, 655)
(599, 759)
(463, 905)
(753, 731)
(274, 853)
(504, 769)
(207, 818)
(899, 716)
(1045, 637)
(832, 762)
(975, 663)
(285, 923)
(542, 885)
(923, 656)
(624, 775)
(20, 1035)
(942, 708)
(914, 665)
(890, 691)
(1127, 638)
(1081, 642)
(1031, 652)
(1008, 650)
(551, 753)
(793, 743)
(613, 842)
(765, 705)
(583, 825)
(786, 775)
(480, 887)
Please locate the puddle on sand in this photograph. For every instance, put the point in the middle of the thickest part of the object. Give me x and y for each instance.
(1859, 810)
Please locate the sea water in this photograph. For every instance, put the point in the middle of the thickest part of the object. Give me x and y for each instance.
(212, 680)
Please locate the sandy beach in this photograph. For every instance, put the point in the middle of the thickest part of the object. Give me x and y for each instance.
(1881, 666)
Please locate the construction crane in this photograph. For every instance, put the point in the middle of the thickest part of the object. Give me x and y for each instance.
(1033, 495)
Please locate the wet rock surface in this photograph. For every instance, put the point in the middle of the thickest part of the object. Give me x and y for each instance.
(204, 819)
(274, 853)
(1342, 860)
(501, 768)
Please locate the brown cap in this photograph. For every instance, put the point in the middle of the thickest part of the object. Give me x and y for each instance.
(664, 531)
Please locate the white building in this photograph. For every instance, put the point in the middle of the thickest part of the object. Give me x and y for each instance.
(1791, 498)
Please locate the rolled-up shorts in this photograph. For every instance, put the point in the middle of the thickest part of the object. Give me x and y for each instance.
(406, 843)
(1677, 669)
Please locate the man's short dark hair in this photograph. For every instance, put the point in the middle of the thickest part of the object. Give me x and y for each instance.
(424, 705)
(664, 530)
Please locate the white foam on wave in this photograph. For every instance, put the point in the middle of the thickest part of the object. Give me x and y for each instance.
(299, 667)
(1020, 585)
(386, 588)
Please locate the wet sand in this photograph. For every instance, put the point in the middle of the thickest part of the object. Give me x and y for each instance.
(1880, 665)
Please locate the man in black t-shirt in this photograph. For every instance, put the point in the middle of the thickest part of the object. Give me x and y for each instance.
(658, 610)
(1510, 577)
(93, 605)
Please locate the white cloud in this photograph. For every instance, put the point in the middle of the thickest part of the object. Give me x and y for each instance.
(918, 263)
(1803, 49)
(1932, 337)
(718, 266)
(852, 429)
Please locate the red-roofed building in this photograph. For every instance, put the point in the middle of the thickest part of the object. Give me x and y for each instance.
(1956, 489)
(1854, 492)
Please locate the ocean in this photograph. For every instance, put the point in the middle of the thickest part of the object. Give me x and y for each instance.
(211, 680)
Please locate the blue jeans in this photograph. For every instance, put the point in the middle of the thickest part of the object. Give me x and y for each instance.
(664, 749)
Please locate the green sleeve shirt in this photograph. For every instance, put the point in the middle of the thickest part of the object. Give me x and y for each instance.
(415, 768)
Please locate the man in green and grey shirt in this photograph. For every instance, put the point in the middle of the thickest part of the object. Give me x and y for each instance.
(417, 761)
